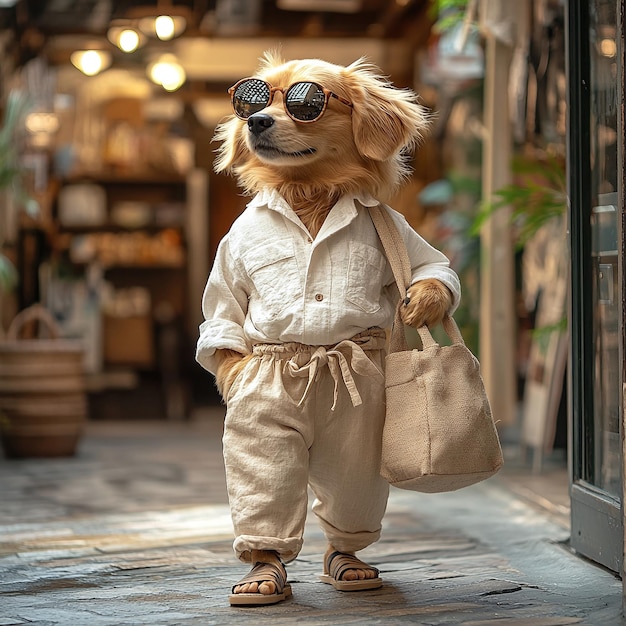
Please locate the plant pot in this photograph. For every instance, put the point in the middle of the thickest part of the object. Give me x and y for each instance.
(43, 403)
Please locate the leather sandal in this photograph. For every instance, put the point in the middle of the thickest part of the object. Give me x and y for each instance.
(338, 563)
(262, 572)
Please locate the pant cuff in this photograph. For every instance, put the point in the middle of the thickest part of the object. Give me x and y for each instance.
(288, 549)
(349, 542)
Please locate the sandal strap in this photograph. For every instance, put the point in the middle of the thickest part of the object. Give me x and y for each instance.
(263, 572)
(338, 563)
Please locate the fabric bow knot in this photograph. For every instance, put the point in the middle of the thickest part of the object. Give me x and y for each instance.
(342, 359)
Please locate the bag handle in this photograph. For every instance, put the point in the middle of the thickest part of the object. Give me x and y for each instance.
(35, 312)
(398, 257)
(451, 328)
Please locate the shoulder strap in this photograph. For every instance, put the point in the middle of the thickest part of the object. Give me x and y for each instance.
(398, 257)
(394, 246)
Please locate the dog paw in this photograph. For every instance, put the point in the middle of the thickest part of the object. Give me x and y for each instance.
(231, 363)
(429, 301)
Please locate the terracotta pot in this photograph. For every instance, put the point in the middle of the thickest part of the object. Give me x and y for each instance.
(43, 403)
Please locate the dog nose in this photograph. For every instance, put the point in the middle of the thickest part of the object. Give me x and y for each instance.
(259, 122)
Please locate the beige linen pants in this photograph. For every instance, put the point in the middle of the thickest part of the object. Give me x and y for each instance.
(301, 416)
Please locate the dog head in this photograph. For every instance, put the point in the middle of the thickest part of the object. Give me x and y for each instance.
(358, 143)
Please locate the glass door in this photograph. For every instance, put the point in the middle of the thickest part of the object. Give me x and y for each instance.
(595, 165)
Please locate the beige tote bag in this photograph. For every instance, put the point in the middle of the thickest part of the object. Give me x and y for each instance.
(439, 433)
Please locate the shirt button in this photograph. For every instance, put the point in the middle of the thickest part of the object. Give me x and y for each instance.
(319, 297)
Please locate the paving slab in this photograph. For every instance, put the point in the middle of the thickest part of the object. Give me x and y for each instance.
(136, 530)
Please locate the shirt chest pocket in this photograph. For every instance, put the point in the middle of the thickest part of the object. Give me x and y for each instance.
(273, 269)
(365, 275)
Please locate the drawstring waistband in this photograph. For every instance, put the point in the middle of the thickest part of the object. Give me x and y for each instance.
(342, 359)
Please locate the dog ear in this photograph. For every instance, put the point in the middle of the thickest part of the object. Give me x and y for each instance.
(232, 149)
(385, 119)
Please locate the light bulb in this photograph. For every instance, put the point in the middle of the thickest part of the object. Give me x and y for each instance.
(164, 27)
(167, 72)
(90, 62)
(128, 40)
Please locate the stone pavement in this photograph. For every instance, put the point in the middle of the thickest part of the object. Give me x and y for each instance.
(135, 530)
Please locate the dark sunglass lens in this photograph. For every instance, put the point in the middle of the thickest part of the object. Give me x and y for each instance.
(250, 97)
(305, 101)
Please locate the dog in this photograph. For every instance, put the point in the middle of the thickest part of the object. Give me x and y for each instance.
(301, 283)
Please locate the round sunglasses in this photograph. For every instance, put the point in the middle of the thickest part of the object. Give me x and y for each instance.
(304, 101)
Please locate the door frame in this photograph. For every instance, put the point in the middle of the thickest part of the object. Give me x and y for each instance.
(596, 516)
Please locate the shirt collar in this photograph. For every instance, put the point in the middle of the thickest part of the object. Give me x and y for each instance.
(271, 199)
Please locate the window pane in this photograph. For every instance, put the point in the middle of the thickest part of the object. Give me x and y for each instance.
(606, 299)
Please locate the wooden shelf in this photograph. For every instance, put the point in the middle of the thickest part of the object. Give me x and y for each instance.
(126, 178)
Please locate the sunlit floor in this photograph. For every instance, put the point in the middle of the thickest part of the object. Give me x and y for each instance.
(136, 530)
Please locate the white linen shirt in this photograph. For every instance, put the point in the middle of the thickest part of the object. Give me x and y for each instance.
(272, 283)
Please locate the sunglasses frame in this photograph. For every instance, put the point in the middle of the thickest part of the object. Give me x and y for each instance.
(272, 90)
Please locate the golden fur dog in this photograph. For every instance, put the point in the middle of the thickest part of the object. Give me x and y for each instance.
(356, 145)
(313, 165)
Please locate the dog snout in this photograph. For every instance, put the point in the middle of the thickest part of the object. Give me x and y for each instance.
(259, 122)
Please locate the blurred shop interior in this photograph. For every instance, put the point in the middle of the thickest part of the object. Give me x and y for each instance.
(119, 213)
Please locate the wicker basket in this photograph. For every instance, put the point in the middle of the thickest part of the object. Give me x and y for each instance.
(43, 403)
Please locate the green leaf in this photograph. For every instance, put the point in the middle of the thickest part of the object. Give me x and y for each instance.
(11, 171)
(8, 274)
(537, 196)
(542, 334)
(447, 13)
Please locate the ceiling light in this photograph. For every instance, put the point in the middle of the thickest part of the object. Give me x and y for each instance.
(167, 72)
(91, 62)
(125, 36)
(129, 40)
(165, 27)
(164, 21)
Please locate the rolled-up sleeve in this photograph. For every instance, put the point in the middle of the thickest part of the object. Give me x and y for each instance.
(224, 306)
(427, 261)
